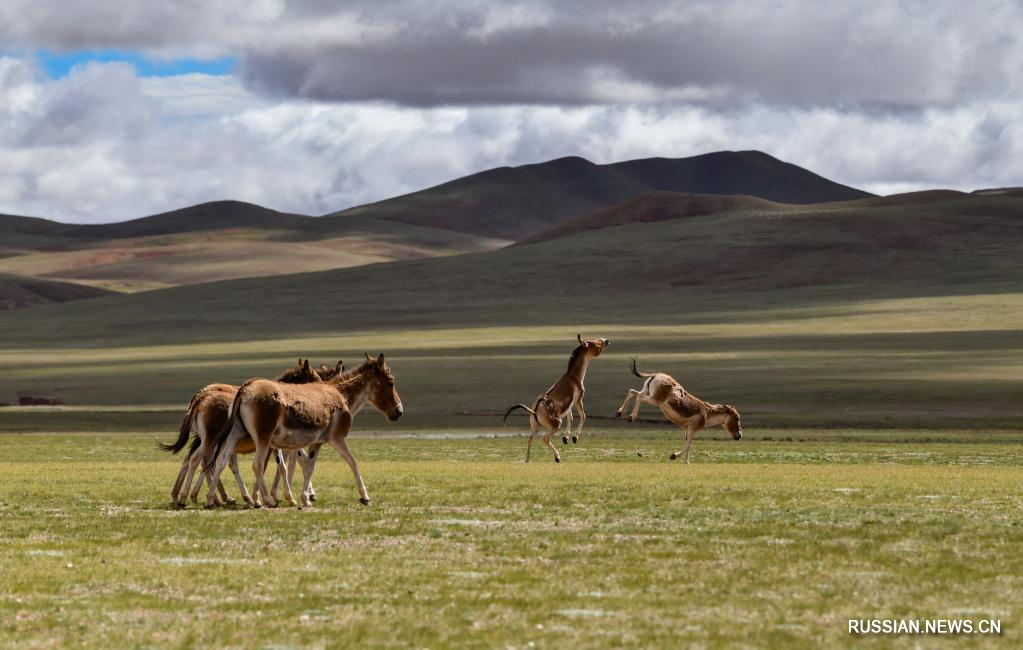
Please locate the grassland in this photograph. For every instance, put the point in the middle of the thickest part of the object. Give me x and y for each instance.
(757, 542)
(949, 361)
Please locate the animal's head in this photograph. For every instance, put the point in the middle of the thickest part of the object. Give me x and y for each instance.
(734, 422)
(594, 346)
(383, 394)
(327, 372)
(300, 374)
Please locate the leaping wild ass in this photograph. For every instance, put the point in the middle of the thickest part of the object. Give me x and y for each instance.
(296, 416)
(681, 407)
(556, 404)
(207, 414)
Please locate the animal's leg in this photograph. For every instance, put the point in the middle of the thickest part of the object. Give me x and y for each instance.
(226, 454)
(532, 432)
(224, 496)
(314, 452)
(339, 443)
(628, 396)
(201, 455)
(691, 429)
(547, 441)
(286, 463)
(278, 475)
(640, 398)
(582, 420)
(302, 459)
(246, 497)
(181, 477)
(259, 487)
(568, 427)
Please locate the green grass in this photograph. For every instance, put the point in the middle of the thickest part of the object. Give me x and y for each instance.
(941, 361)
(760, 542)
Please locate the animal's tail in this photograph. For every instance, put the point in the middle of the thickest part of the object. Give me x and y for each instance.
(226, 431)
(641, 375)
(516, 407)
(186, 429)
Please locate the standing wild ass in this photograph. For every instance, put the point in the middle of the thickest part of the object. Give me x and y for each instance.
(207, 414)
(681, 407)
(297, 416)
(557, 402)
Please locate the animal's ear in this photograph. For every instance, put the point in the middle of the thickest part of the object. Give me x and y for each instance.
(339, 368)
(579, 337)
(299, 362)
(305, 365)
(368, 358)
(324, 368)
(380, 360)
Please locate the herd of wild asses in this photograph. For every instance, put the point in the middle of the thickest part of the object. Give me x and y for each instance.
(294, 416)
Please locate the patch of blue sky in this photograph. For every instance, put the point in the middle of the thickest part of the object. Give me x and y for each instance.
(59, 64)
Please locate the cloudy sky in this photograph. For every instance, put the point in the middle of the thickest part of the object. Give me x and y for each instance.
(117, 109)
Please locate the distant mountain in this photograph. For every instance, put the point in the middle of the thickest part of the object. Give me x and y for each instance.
(517, 202)
(17, 292)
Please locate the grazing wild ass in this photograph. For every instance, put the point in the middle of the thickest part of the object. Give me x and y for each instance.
(207, 414)
(556, 404)
(297, 416)
(681, 407)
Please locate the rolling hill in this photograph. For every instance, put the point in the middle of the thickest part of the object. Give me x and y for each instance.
(903, 312)
(517, 202)
(209, 242)
(17, 292)
(656, 206)
(905, 245)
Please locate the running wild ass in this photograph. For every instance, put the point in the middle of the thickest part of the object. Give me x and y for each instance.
(556, 404)
(681, 407)
(297, 416)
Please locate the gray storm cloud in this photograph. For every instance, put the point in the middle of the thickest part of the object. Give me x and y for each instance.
(338, 103)
(567, 52)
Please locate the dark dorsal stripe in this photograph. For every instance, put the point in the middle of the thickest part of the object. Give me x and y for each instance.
(576, 353)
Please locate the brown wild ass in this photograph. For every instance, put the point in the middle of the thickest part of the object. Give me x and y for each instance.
(681, 407)
(556, 404)
(207, 414)
(297, 416)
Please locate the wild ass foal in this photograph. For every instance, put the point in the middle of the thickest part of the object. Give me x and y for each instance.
(556, 404)
(681, 407)
(207, 414)
(293, 416)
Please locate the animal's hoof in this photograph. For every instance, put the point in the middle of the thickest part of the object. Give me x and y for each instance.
(364, 501)
(575, 439)
(673, 457)
(230, 502)
(564, 440)
(179, 505)
(557, 459)
(618, 414)
(209, 506)
(312, 497)
(630, 419)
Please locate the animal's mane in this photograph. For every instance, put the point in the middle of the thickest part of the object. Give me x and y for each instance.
(575, 355)
(350, 376)
(294, 374)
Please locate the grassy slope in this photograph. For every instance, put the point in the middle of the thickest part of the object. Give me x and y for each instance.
(210, 242)
(516, 202)
(757, 543)
(906, 314)
(17, 291)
